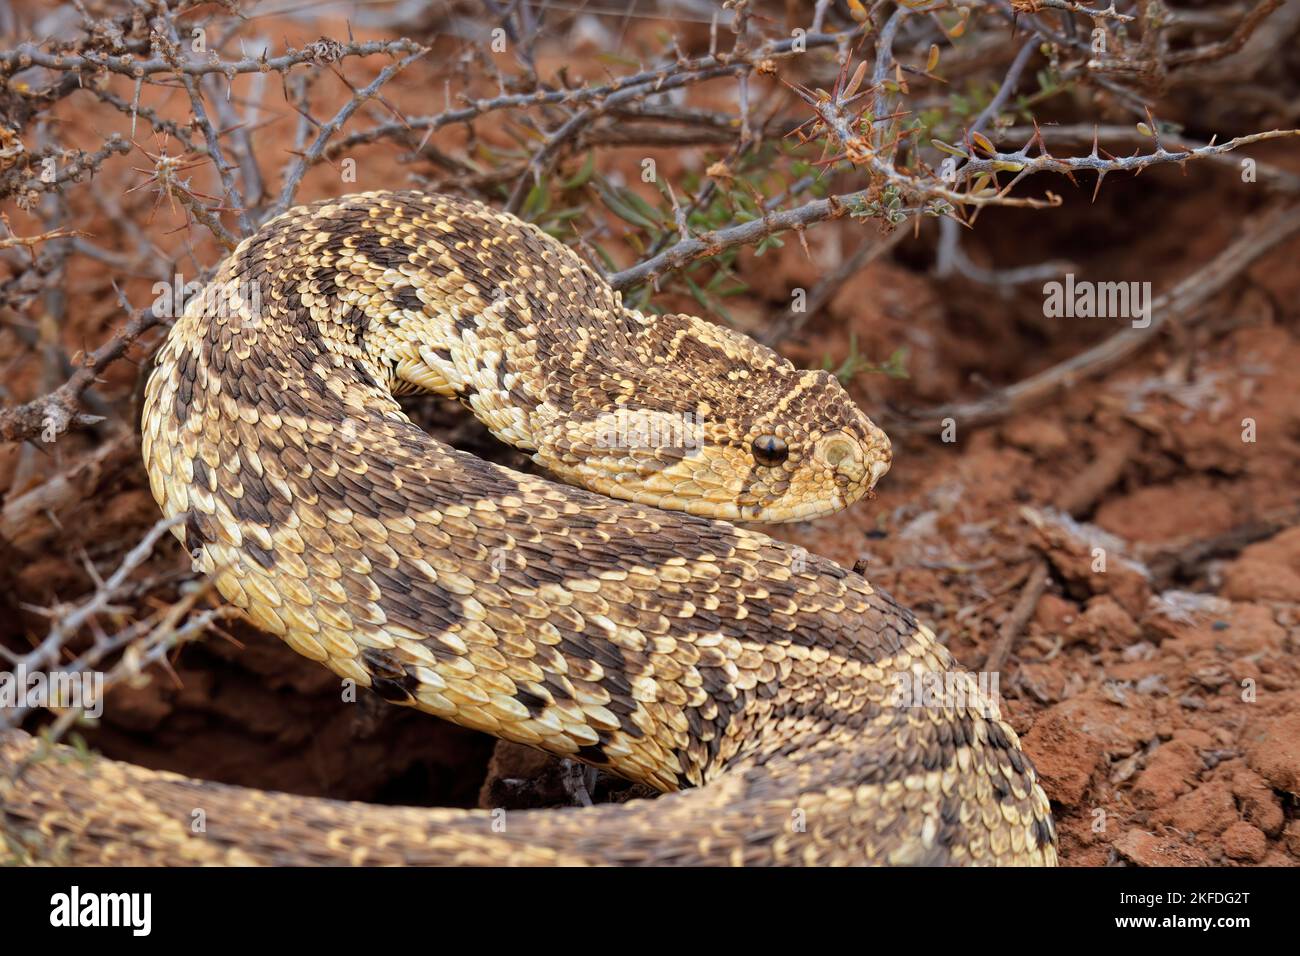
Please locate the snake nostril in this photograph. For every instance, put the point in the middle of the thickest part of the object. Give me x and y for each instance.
(844, 457)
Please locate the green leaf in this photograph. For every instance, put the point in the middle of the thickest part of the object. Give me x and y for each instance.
(582, 175)
(952, 150)
(536, 202)
(618, 204)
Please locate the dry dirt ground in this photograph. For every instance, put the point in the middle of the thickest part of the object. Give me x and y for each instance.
(1159, 699)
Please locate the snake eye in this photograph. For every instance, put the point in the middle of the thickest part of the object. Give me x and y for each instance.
(770, 450)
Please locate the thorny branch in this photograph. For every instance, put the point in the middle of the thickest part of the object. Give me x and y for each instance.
(871, 115)
(1190, 295)
(50, 416)
(131, 647)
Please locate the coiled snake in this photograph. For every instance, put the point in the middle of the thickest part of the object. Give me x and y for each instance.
(759, 682)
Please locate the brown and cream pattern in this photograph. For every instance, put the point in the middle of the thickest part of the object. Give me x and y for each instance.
(753, 681)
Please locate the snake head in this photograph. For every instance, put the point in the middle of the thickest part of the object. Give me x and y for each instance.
(814, 452)
(761, 442)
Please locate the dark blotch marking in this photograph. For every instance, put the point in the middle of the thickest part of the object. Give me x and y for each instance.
(202, 476)
(263, 557)
(997, 736)
(186, 371)
(932, 759)
(258, 505)
(198, 530)
(1001, 789)
(465, 323)
(950, 832)
(1045, 833)
(356, 323)
(405, 297)
(388, 678)
(363, 373)
(950, 812)
(556, 689)
(964, 732)
(390, 690)
(533, 702)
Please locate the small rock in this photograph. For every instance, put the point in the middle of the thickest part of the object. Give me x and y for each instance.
(1260, 580)
(1064, 756)
(1140, 847)
(1273, 750)
(1147, 849)
(1037, 434)
(1104, 622)
(1291, 837)
(1241, 841)
(1244, 668)
(1054, 614)
(1207, 810)
(1197, 738)
(1267, 571)
(1169, 774)
(1259, 804)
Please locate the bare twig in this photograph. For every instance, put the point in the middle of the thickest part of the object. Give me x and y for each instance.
(1018, 618)
(295, 173)
(51, 415)
(1190, 294)
(27, 55)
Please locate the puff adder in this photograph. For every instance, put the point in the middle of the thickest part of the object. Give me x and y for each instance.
(619, 619)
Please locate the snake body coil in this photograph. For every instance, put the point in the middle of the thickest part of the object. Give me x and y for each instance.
(671, 647)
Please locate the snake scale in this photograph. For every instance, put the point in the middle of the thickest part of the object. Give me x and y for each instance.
(751, 682)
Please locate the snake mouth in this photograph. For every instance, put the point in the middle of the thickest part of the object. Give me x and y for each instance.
(878, 470)
(879, 452)
(799, 511)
